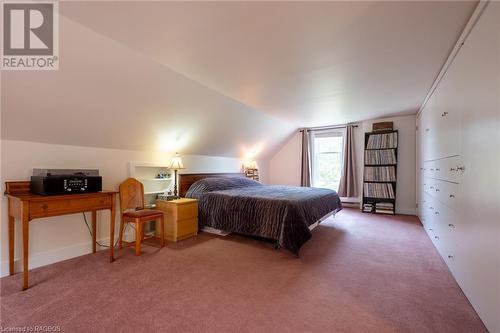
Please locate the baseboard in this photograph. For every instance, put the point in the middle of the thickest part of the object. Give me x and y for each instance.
(406, 211)
(351, 204)
(56, 255)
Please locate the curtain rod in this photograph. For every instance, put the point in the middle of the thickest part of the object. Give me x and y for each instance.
(320, 128)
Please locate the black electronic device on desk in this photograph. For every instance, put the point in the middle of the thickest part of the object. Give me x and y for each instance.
(65, 181)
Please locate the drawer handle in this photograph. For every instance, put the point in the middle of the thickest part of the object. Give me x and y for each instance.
(430, 229)
(427, 129)
(437, 190)
(453, 169)
(437, 213)
(437, 169)
(432, 187)
(437, 237)
(432, 169)
(451, 257)
(452, 195)
(444, 114)
(451, 225)
(460, 168)
(431, 207)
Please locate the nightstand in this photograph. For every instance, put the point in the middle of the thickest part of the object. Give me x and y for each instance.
(181, 218)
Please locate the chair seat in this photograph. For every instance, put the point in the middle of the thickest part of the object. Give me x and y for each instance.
(143, 213)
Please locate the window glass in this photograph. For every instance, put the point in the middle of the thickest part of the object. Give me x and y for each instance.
(327, 161)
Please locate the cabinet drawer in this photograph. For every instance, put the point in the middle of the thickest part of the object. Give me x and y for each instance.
(187, 228)
(186, 211)
(448, 169)
(178, 230)
(447, 193)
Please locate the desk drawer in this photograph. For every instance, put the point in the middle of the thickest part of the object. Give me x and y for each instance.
(69, 205)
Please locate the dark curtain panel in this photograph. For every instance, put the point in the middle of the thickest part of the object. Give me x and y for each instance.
(305, 177)
(348, 186)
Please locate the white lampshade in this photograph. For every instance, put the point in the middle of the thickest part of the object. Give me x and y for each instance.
(176, 163)
(251, 165)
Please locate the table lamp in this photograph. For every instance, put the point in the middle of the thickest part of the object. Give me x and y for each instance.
(176, 164)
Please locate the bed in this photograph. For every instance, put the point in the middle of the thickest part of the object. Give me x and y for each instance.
(234, 203)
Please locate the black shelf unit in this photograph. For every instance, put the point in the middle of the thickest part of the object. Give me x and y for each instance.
(369, 200)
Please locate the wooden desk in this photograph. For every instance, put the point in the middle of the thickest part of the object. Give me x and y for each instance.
(26, 206)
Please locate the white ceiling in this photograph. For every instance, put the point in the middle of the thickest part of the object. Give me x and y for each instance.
(228, 75)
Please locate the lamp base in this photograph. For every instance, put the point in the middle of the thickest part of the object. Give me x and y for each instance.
(175, 185)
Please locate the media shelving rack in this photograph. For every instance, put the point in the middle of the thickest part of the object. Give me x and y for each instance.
(372, 200)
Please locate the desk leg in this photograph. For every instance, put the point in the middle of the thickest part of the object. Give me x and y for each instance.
(26, 236)
(12, 223)
(94, 230)
(112, 230)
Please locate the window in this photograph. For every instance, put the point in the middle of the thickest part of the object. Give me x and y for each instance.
(327, 159)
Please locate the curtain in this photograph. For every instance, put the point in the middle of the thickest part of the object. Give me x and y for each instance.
(348, 186)
(305, 175)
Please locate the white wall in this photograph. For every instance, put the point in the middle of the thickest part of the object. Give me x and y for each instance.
(58, 238)
(284, 166)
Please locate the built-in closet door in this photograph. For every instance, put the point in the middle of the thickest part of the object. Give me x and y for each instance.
(478, 75)
(459, 166)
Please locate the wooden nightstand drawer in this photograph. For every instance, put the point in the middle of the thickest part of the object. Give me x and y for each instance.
(186, 229)
(181, 218)
(186, 211)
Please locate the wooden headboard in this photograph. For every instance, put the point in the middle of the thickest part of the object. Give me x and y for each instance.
(187, 179)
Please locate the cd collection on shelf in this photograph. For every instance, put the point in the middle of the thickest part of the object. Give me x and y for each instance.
(382, 174)
(377, 157)
(384, 207)
(383, 141)
(380, 207)
(379, 190)
(367, 207)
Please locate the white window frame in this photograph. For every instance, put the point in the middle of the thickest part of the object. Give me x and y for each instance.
(341, 132)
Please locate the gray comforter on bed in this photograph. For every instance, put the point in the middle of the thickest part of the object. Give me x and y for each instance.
(282, 213)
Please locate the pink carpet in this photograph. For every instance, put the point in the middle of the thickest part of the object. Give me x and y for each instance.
(358, 273)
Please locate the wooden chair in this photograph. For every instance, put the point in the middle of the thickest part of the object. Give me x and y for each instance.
(132, 211)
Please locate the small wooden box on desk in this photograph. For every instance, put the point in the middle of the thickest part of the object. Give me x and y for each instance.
(181, 218)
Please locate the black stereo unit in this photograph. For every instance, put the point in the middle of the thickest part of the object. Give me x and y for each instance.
(52, 182)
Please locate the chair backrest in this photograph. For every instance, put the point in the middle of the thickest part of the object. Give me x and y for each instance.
(131, 195)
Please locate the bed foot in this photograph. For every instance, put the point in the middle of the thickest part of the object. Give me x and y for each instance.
(277, 245)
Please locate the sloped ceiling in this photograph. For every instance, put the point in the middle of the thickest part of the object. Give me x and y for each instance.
(222, 78)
